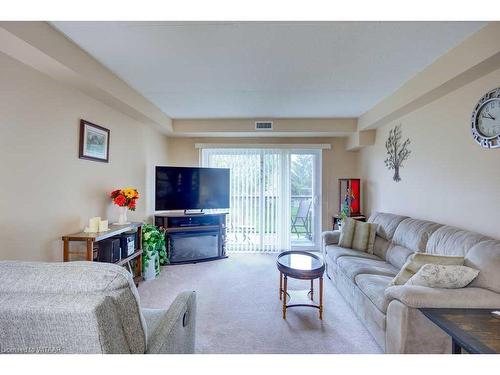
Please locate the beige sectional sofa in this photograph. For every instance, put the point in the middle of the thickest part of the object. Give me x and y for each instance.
(391, 313)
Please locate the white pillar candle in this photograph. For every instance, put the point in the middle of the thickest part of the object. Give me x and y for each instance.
(103, 225)
(94, 224)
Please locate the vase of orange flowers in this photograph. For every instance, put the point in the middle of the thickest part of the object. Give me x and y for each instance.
(125, 199)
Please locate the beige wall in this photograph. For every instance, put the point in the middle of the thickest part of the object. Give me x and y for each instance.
(475, 57)
(337, 162)
(38, 45)
(45, 189)
(448, 177)
(282, 127)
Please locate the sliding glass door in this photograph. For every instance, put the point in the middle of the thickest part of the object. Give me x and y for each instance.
(305, 199)
(274, 197)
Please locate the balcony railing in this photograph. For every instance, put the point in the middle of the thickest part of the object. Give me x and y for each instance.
(244, 220)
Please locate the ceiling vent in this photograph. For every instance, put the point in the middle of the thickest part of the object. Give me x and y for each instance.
(263, 125)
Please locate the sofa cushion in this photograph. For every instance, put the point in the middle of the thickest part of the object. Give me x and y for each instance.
(410, 236)
(334, 252)
(417, 260)
(414, 234)
(353, 266)
(373, 286)
(397, 255)
(358, 235)
(453, 241)
(362, 236)
(447, 277)
(380, 247)
(373, 319)
(485, 257)
(371, 238)
(387, 223)
(347, 233)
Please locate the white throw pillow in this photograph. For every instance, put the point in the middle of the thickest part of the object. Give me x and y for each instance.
(418, 260)
(440, 276)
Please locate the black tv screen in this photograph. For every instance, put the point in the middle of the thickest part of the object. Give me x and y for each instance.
(185, 188)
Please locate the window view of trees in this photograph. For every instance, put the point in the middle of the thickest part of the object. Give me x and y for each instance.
(301, 179)
(301, 174)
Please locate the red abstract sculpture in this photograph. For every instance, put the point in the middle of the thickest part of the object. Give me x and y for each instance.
(350, 196)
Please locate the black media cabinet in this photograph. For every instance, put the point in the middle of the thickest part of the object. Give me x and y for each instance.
(194, 238)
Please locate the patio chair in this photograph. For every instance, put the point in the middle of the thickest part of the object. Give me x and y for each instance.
(301, 219)
(242, 229)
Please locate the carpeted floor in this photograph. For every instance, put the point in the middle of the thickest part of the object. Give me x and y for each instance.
(239, 309)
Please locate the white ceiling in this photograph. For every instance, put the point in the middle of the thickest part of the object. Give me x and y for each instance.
(266, 69)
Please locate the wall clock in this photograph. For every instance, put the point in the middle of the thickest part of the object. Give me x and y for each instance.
(486, 120)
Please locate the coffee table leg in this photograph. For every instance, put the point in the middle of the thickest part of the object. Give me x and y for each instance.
(321, 298)
(284, 297)
(281, 284)
(312, 290)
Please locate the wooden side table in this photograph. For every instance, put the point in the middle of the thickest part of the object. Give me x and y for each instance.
(92, 246)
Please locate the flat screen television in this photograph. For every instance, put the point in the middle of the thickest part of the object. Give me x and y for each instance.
(185, 188)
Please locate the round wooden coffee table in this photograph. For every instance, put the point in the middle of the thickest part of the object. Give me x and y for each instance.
(303, 266)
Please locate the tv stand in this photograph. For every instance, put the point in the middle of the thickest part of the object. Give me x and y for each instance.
(194, 238)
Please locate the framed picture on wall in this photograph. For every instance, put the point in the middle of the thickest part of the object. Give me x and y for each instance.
(94, 142)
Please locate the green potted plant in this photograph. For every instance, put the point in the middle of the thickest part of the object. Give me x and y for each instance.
(154, 251)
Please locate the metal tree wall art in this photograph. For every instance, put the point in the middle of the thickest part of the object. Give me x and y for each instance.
(397, 152)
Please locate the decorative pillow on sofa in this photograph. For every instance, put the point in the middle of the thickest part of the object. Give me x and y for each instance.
(358, 235)
(347, 233)
(417, 260)
(439, 276)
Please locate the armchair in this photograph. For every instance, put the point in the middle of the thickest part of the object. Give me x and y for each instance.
(86, 307)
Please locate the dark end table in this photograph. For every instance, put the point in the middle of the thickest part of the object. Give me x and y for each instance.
(476, 331)
(300, 265)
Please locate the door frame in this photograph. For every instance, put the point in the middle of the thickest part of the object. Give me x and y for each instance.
(312, 148)
(317, 194)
